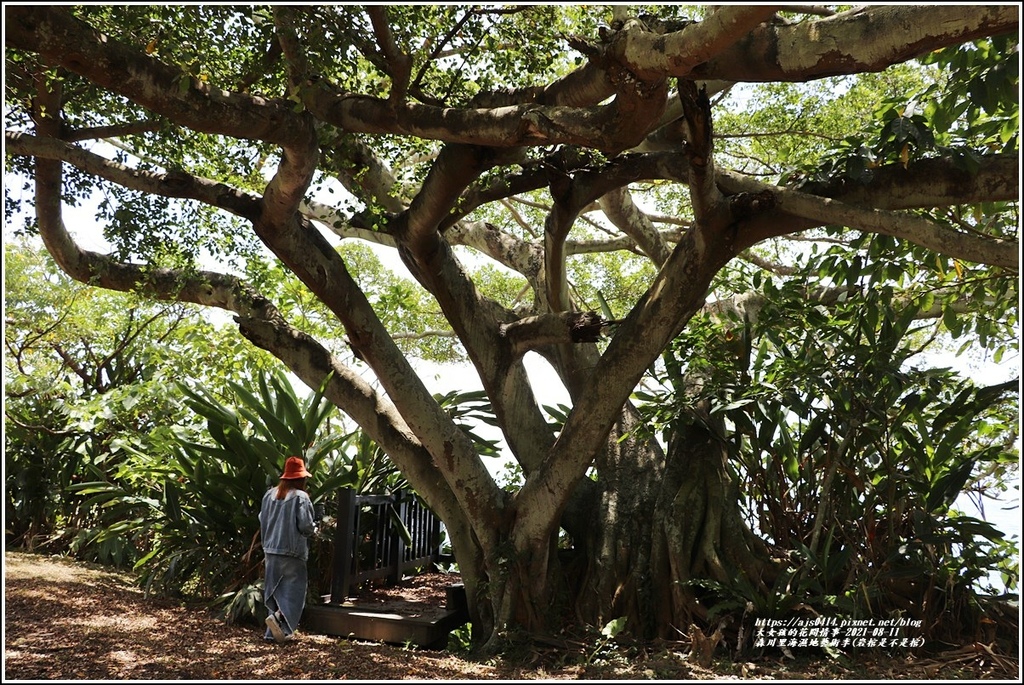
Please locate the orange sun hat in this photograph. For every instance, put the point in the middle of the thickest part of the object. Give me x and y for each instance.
(294, 468)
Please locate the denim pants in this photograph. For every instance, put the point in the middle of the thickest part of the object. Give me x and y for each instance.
(284, 589)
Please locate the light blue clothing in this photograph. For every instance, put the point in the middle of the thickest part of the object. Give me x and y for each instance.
(284, 591)
(285, 525)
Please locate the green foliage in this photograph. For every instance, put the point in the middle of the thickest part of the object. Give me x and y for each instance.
(87, 374)
(851, 453)
(506, 288)
(606, 640)
(460, 640)
(192, 499)
(195, 507)
(613, 281)
(104, 461)
(770, 129)
(971, 106)
(981, 90)
(470, 409)
(418, 326)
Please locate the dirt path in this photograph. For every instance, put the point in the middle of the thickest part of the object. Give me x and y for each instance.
(70, 621)
(66, 620)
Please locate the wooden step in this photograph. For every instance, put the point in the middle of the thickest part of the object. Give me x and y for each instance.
(418, 626)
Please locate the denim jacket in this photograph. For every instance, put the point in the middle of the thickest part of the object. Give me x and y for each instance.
(286, 523)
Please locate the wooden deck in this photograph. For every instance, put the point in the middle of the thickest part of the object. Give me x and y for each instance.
(396, 622)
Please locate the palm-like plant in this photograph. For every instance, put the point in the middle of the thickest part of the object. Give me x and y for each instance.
(192, 498)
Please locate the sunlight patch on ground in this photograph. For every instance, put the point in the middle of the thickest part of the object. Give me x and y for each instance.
(115, 624)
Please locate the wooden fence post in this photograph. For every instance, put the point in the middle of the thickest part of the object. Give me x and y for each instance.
(344, 546)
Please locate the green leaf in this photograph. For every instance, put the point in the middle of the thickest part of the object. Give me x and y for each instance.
(264, 418)
(614, 627)
(949, 486)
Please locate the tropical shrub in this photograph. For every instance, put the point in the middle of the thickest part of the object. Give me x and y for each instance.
(852, 453)
(191, 497)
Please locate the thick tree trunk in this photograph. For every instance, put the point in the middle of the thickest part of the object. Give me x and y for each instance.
(656, 523)
(658, 528)
(612, 559)
(701, 531)
(507, 601)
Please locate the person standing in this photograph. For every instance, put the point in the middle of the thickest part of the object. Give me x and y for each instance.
(286, 523)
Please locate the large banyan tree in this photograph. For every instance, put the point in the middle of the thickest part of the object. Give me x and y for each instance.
(616, 190)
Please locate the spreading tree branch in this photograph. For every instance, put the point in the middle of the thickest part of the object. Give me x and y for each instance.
(619, 208)
(176, 184)
(854, 42)
(400, 64)
(54, 34)
(649, 54)
(995, 180)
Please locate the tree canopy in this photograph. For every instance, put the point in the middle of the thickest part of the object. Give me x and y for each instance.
(591, 184)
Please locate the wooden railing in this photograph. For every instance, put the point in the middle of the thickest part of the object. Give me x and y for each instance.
(369, 544)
